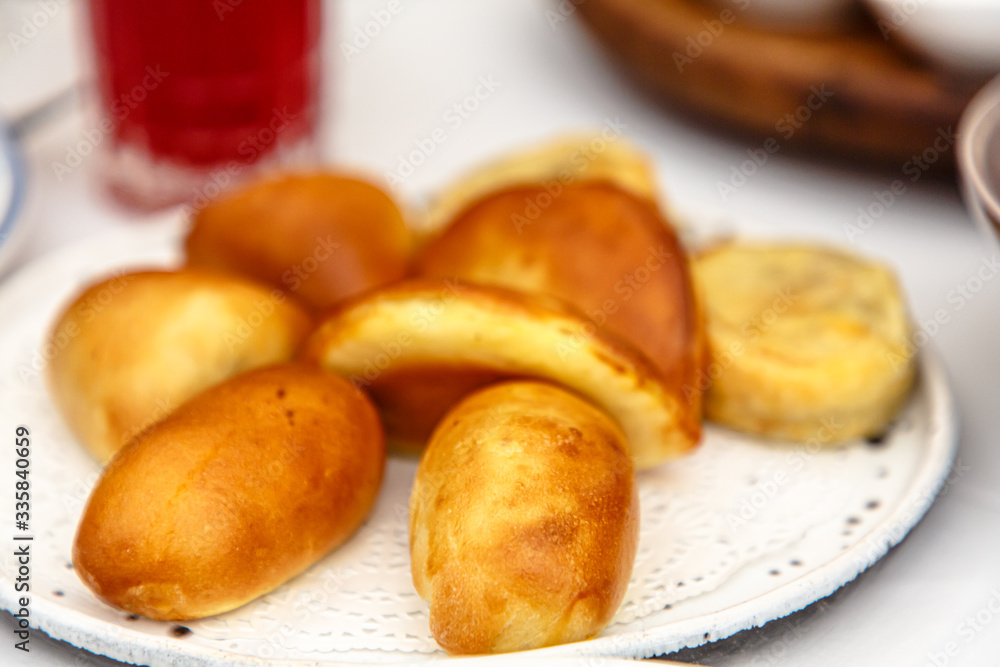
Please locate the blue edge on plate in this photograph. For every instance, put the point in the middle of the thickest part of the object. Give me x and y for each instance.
(12, 154)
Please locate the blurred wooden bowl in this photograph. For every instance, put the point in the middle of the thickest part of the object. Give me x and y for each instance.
(848, 92)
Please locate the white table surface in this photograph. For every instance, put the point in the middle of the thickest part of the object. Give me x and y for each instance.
(911, 608)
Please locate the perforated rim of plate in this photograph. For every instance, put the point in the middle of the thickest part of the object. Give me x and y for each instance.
(740, 533)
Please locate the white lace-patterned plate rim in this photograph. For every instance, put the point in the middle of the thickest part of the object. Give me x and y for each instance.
(740, 533)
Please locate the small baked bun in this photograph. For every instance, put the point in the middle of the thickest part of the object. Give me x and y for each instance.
(320, 236)
(419, 346)
(581, 158)
(602, 249)
(236, 492)
(524, 521)
(807, 343)
(140, 344)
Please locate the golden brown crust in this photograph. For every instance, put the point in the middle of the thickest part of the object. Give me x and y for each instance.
(523, 520)
(412, 397)
(320, 236)
(458, 335)
(605, 156)
(140, 344)
(236, 492)
(808, 343)
(604, 250)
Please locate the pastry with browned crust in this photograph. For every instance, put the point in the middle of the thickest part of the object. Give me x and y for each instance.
(808, 343)
(599, 247)
(239, 490)
(320, 236)
(524, 520)
(420, 346)
(580, 158)
(140, 344)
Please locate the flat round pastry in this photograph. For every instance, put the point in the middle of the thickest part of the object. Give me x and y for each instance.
(807, 343)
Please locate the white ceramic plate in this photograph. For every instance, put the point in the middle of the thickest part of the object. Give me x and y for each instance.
(12, 195)
(738, 534)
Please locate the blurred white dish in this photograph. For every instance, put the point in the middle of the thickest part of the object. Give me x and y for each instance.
(12, 195)
(792, 14)
(979, 158)
(958, 34)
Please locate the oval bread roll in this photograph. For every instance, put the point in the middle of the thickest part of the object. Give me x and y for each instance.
(240, 489)
(808, 344)
(140, 344)
(320, 236)
(523, 520)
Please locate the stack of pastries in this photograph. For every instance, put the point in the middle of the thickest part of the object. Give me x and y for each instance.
(545, 342)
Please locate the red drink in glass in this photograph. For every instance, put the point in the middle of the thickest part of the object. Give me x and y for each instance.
(201, 91)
